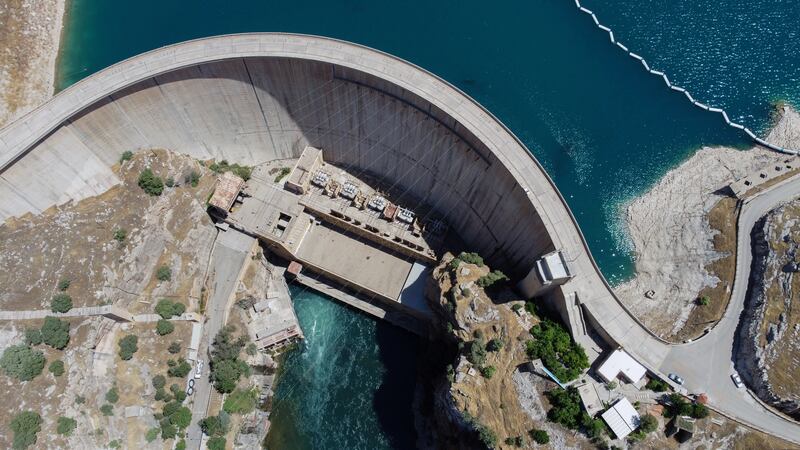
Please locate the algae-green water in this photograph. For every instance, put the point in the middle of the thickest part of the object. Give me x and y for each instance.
(604, 129)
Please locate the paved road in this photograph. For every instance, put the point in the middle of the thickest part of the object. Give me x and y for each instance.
(230, 253)
(707, 363)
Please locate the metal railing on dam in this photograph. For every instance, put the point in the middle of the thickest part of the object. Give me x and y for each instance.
(669, 84)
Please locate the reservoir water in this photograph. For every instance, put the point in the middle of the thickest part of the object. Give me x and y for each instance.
(604, 129)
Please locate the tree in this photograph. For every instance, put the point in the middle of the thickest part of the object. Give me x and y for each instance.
(25, 426)
(164, 327)
(226, 374)
(56, 368)
(164, 273)
(216, 443)
(112, 396)
(241, 401)
(566, 407)
(128, 345)
(61, 303)
(180, 370)
(33, 336)
(560, 354)
(174, 347)
(150, 183)
(22, 362)
(656, 385)
(699, 411)
(539, 436)
(495, 345)
(168, 309)
(648, 424)
(181, 418)
(159, 381)
(516, 441)
(215, 425)
(66, 425)
(477, 352)
(126, 156)
(55, 332)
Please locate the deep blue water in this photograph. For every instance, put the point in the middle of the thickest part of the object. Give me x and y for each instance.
(604, 129)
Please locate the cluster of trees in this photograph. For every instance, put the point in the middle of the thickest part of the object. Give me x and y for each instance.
(216, 427)
(567, 411)
(538, 436)
(150, 183)
(178, 369)
(656, 385)
(226, 367)
(552, 344)
(62, 302)
(678, 406)
(174, 418)
(467, 257)
(168, 309)
(243, 172)
(24, 363)
(25, 425)
(491, 278)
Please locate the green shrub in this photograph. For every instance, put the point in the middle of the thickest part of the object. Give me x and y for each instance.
(120, 234)
(152, 434)
(61, 303)
(471, 258)
(164, 273)
(491, 278)
(282, 173)
(495, 345)
(216, 443)
(678, 406)
(126, 156)
(192, 178)
(66, 426)
(25, 425)
(170, 182)
(699, 411)
(63, 285)
(150, 183)
(55, 332)
(516, 307)
(33, 336)
(22, 362)
(530, 306)
(648, 424)
(174, 347)
(79, 399)
(552, 344)
(56, 368)
(159, 381)
(477, 352)
(243, 172)
(115, 444)
(488, 372)
(517, 441)
(112, 396)
(241, 401)
(181, 445)
(128, 345)
(168, 309)
(107, 409)
(539, 436)
(180, 370)
(704, 300)
(164, 327)
(656, 385)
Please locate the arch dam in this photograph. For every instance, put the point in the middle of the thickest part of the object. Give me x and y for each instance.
(253, 98)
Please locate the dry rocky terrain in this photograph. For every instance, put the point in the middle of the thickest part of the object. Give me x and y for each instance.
(683, 232)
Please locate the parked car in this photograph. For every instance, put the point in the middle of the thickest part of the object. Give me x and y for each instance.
(189, 391)
(198, 371)
(737, 380)
(191, 382)
(676, 378)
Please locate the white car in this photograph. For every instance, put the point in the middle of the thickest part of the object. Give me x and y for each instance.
(737, 380)
(191, 382)
(676, 378)
(189, 391)
(198, 371)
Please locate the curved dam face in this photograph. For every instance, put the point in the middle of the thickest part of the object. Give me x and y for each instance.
(256, 109)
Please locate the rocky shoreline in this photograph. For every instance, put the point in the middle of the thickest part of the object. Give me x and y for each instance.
(30, 36)
(671, 234)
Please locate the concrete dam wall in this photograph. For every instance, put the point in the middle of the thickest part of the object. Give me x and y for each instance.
(256, 109)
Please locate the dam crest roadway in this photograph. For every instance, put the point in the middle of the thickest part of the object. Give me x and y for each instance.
(254, 98)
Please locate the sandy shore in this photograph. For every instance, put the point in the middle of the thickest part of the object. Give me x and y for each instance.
(671, 233)
(30, 33)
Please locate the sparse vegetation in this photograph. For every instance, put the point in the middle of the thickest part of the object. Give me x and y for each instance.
(192, 178)
(251, 349)
(560, 354)
(243, 172)
(25, 425)
(112, 396)
(126, 156)
(66, 426)
(516, 441)
(241, 401)
(55, 333)
(128, 345)
(63, 285)
(150, 183)
(61, 302)
(120, 234)
(703, 301)
(170, 182)
(488, 372)
(168, 309)
(485, 435)
(164, 327)
(152, 434)
(164, 273)
(56, 368)
(282, 173)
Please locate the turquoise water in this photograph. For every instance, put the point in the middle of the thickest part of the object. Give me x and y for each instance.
(604, 129)
(349, 385)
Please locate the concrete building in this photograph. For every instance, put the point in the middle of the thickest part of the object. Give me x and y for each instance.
(225, 193)
(304, 170)
(620, 366)
(549, 271)
(622, 418)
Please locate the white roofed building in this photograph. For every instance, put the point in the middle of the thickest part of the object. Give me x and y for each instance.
(621, 365)
(622, 418)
